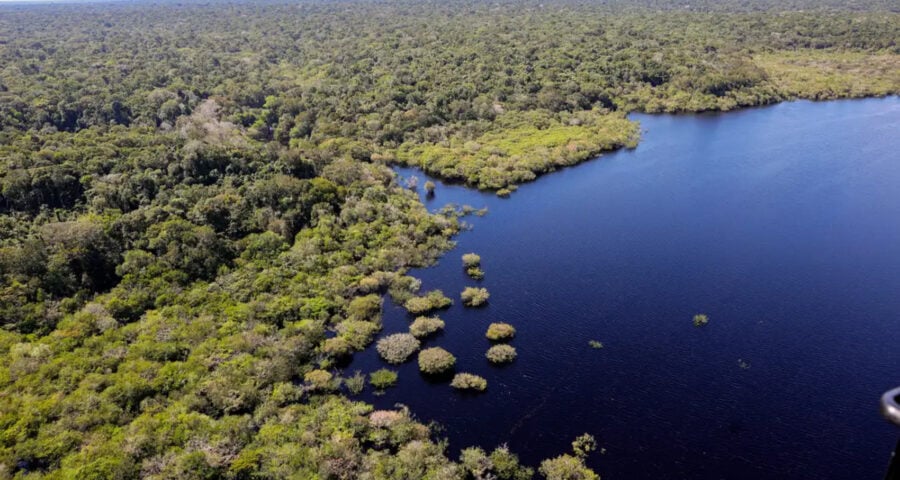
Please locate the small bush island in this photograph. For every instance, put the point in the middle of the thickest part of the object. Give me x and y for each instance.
(436, 360)
(501, 353)
(433, 300)
(471, 260)
(384, 378)
(475, 273)
(700, 320)
(425, 326)
(356, 383)
(468, 381)
(500, 331)
(397, 348)
(474, 297)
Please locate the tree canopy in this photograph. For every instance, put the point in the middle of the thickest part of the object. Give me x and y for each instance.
(197, 220)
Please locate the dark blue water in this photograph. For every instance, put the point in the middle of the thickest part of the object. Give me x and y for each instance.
(780, 223)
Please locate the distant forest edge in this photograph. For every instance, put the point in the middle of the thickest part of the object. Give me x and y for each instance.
(443, 85)
(197, 221)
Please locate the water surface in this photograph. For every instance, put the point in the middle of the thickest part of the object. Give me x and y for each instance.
(780, 223)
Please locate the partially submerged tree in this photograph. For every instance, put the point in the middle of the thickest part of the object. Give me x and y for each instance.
(436, 360)
(501, 354)
(474, 297)
(468, 381)
(383, 378)
(500, 332)
(397, 348)
(422, 327)
(433, 300)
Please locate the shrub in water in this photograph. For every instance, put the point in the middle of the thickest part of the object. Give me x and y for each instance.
(467, 381)
(397, 348)
(475, 272)
(433, 300)
(471, 260)
(474, 297)
(436, 360)
(356, 383)
(566, 467)
(501, 353)
(595, 344)
(425, 326)
(499, 332)
(383, 378)
(700, 320)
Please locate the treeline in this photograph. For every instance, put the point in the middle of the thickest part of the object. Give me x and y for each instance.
(197, 225)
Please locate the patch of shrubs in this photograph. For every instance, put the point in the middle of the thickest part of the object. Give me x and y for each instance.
(433, 300)
(436, 360)
(468, 381)
(700, 320)
(500, 464)
(319, 380)
(474, 297)
(336, 347)
(422, 327)
(499, 332)
(472, 264)
(358, 333)
(475, 272)
(501, 353)
(397, 348)
(384, 378)
(356, 383)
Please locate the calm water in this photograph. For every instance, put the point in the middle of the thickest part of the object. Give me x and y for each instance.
(780, 223)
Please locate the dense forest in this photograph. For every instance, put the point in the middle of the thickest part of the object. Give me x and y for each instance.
(198, 224)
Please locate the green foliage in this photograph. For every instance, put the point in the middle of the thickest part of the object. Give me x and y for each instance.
(595, 344)
(475, 272)
(194, 224)
(700, 320)
(422, 327)
(383, 378)
(471, 263)
(501, 353)
(500, 332)
(471, 260)
(474, 297)
(357, 333)
(319, 380)
(500, 464)
(566, 467)
(356, 383)
(468, 381)
(436, 360)
(365, 308)
(397, 348)
(583, 445)
(433, 300)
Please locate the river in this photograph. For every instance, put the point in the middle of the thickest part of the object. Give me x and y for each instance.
(782, 224)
